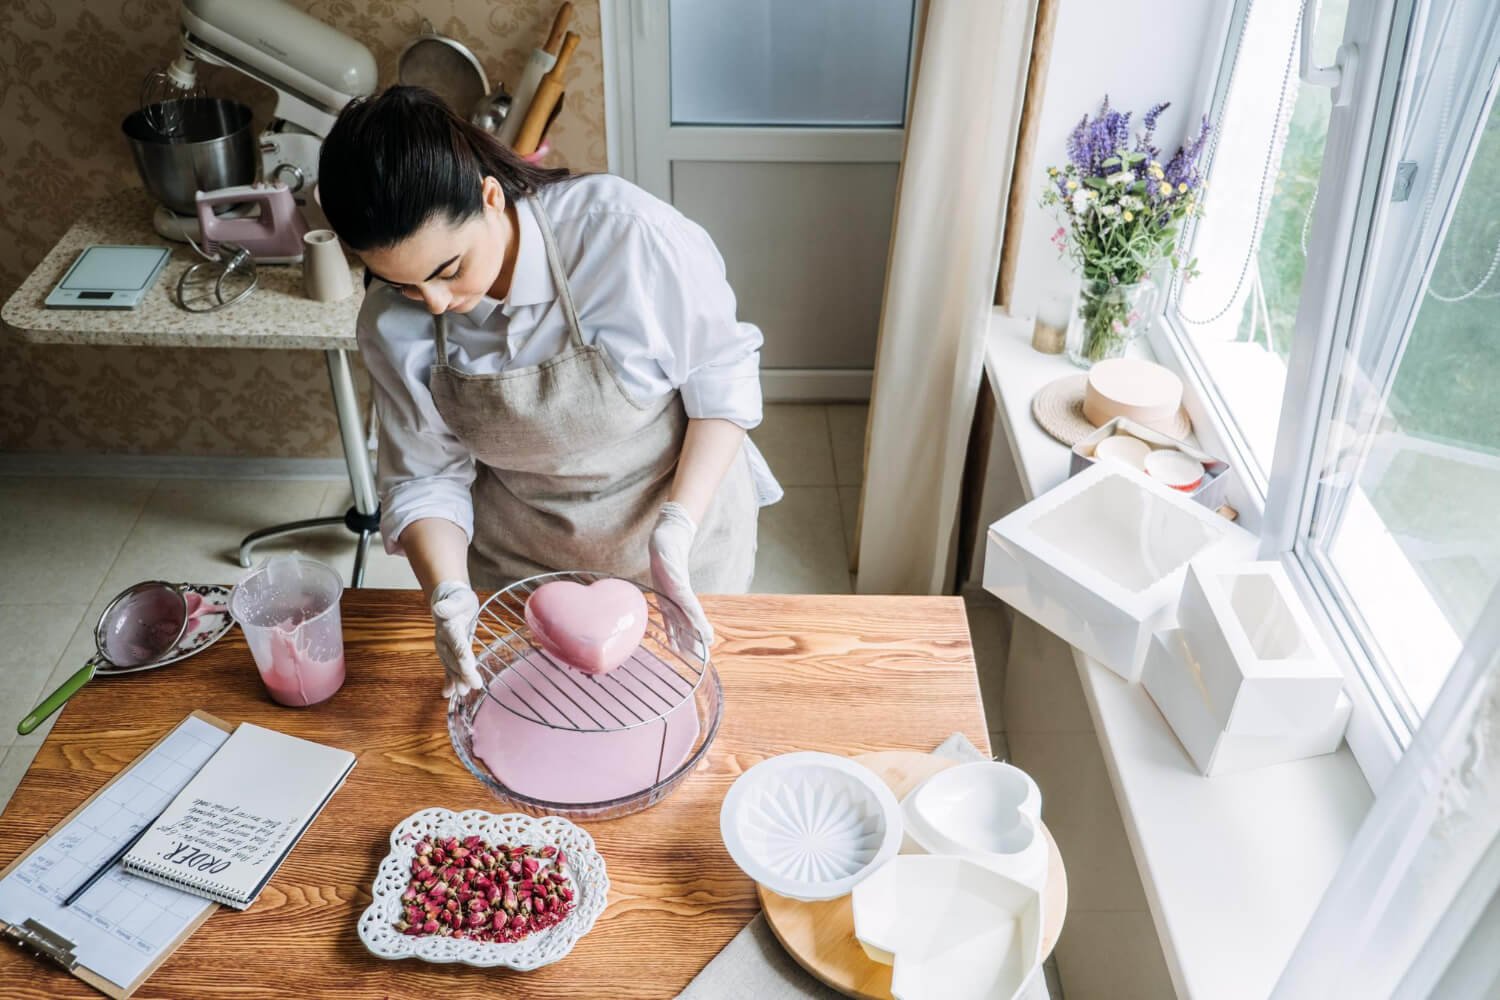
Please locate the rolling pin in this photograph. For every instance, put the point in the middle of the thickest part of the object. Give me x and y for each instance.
(541, 61)
(547, 94)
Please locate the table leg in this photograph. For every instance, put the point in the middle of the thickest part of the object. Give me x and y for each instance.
(363, 519)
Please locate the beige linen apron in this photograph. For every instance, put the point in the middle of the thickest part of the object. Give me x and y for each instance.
(570, 471)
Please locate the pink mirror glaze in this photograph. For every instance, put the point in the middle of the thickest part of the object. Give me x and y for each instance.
(593, 628)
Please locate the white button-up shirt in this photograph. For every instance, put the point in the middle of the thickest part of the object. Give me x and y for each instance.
(651, 293)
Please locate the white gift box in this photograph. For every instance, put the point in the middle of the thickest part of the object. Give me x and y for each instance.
(1100, 560)
(1174, 679)
(1264, 669)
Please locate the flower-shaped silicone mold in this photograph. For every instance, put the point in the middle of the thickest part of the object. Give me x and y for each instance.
(810, 826)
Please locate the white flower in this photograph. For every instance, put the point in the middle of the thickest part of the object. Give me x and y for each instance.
(1109, 210)
(1080, 203)
(1120, 177)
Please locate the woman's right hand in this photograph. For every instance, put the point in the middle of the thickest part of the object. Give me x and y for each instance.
(454, 608)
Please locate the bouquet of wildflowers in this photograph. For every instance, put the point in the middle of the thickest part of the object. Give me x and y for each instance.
(1122, 210)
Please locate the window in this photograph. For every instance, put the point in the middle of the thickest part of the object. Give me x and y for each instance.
(1237, 316)
(1345, 328)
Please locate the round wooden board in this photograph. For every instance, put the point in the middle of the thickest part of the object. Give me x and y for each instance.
(820, 936)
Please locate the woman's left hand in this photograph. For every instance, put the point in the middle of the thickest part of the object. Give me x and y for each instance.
(671, 545)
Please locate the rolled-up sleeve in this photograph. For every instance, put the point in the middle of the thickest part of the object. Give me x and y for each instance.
(668, 291)
(423, 469)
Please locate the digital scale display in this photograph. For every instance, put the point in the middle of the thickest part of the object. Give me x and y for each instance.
(110, 277)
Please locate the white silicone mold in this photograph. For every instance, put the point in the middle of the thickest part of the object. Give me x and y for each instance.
(952, 929)
(988, 812)
(810, 826)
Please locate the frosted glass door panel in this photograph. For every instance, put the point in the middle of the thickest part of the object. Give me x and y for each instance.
(790, 62)
(805, 248)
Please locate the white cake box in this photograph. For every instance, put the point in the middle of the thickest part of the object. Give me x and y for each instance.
(1100, 560)
(1174, 680)
(1264, 668)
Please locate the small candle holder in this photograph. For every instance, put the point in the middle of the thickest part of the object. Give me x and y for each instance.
(1049, 333)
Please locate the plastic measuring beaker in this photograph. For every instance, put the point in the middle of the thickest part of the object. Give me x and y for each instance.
(289, 611)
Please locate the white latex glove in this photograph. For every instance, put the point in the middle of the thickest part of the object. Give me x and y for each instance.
(671, 543)
(454, 608)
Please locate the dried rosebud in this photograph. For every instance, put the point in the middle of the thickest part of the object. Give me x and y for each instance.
(425, 874)
(459, 853)
(430, 927)
(511, 900)
(530, 866)
(515, 868)
(499, 920)
(477, 903)
(439, 855)
(451, 905)
(540, 903)
(473, 842)
(517, 922)
(548, 851)
(410, 895)
(476, 920)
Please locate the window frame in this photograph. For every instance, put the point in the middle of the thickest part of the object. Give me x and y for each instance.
(1358, 163)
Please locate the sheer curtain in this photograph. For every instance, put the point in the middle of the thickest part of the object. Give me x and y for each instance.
(1412, 911)
(940, 286)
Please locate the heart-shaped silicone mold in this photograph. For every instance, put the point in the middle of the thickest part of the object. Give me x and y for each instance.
(988, 812)
(593, 629)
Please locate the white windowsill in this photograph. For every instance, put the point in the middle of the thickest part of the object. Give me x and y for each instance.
(1233, 866)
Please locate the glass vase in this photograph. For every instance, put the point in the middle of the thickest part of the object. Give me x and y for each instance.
(1108, 318)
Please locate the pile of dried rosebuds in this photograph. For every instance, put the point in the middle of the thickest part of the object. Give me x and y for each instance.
(472, 889)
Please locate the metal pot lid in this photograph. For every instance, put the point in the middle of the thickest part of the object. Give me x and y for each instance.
(444, 66)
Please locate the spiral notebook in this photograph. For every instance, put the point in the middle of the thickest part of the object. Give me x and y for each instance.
(227, 832)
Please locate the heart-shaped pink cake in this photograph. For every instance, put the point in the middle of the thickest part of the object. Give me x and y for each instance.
(593, 628)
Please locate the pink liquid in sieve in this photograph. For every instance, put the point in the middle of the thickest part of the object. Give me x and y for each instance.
(295, 676)
(578, 768)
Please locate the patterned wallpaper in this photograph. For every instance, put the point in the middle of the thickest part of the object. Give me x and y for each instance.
(70, 71)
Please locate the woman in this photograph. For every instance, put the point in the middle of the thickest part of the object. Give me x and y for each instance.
(559, 376)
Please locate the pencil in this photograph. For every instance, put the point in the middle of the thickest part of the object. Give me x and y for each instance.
(114, 859)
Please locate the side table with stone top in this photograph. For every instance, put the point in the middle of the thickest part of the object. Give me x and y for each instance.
(275, 315)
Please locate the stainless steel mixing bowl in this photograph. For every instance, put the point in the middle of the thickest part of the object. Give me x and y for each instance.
(212, 149)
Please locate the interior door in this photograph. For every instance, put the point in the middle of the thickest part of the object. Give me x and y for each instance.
(777, 125)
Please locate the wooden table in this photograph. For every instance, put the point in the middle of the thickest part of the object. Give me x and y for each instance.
(841, 674)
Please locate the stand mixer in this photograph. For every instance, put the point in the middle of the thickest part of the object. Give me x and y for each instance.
(313, 68)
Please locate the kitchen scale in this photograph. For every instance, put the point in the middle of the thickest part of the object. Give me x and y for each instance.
(109, 277)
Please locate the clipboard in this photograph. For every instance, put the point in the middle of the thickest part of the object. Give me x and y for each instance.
(37, 938)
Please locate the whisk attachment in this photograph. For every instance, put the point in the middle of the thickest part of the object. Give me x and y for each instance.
(221, 279)
(164, 93)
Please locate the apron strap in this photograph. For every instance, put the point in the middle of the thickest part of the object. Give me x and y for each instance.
(441, 322)
(559, 276)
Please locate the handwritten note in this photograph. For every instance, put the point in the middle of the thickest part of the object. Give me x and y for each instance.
(212, 836)
(231, 827)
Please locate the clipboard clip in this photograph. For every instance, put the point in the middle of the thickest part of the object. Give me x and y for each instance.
(39, 938)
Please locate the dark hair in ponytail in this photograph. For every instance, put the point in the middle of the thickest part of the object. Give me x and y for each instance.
(396, 160)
